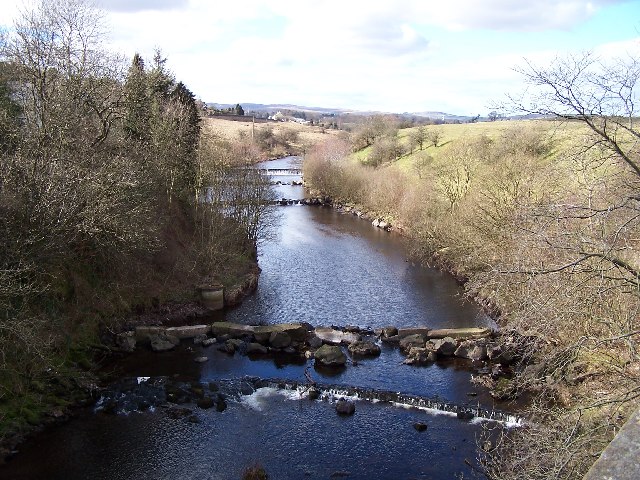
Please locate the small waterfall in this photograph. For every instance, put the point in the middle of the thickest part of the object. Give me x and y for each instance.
(331, 392)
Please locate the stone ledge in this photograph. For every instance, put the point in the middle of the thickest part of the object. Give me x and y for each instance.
(619, 461)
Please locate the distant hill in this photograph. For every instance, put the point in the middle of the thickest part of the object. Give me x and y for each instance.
(434, 115)
(446, 117)
(275, 107)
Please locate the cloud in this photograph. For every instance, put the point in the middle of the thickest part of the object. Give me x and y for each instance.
(536, 15)
(132, 6)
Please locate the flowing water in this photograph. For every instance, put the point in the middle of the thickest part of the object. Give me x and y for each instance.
(325, 268)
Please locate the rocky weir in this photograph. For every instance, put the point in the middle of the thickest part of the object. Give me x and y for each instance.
(335, 348)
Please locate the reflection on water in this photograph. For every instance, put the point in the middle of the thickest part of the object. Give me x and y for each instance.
(329, 268)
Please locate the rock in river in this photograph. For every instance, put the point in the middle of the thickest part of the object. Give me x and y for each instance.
(445, 346)
(162, 343)
(415, 340)
(364, 349)
(330, 355)
(345, 407)
(279, 340)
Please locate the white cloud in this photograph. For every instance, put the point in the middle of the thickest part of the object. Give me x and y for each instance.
(141, 5)
(374, 55)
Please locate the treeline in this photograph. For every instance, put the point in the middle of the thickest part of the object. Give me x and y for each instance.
(103, 173)
(543, 221)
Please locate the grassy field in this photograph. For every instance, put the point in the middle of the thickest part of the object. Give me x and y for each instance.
(560, 135)
(229, 129)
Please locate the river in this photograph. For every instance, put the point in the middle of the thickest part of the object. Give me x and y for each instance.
(325, 268)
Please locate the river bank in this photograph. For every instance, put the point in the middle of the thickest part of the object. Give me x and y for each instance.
(67, 391)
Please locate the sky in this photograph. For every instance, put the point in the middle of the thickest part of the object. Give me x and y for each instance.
(454, 56)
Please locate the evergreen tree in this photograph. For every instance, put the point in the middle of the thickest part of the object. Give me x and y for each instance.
(160, 79)
(137, 102)
(187, 99)
(9, 113)
(238, 110)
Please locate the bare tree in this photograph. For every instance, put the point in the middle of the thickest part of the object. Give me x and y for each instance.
(575, 272)
(418, 137)
(434, 136)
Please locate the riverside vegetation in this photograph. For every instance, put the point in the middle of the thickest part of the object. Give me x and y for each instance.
(540, 218)
(103, 168)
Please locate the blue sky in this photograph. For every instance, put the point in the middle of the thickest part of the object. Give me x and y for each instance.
(456, 56)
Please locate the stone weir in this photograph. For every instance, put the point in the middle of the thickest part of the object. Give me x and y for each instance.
(329, 392)
(144, 393)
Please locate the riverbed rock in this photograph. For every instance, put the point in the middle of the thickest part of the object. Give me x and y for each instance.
(188, 331)
(364, 349)
(126, 341)
(234, 330)
(198, 339)
(205, 402)
(299, 332)
(420, 356)
(314, 341)
(279, 339)
(392, 340)
(389, 331)
(472, 349)
(178, 412)
(313, 394)
(493, 351)
(256, 348)
(163, 342)
(208, 342)
(330, 356)
(231, 346)
(464, 414)
(472, 332)
(445, 346)
(415, 340)
(202, 359)
(143, 332)
(221, 404)
(345, 407)
(419, 426)
(406, 332)
(336, 337)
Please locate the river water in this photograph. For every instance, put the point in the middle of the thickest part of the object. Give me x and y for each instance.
(325, 268)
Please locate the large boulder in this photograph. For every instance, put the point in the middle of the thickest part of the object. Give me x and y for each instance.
(163, 342)
(420, 356)
(299, 332)
(364, 349)
(472, 349)
(330, 356)
(415, 340)
(445, 346)
(314, 341)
